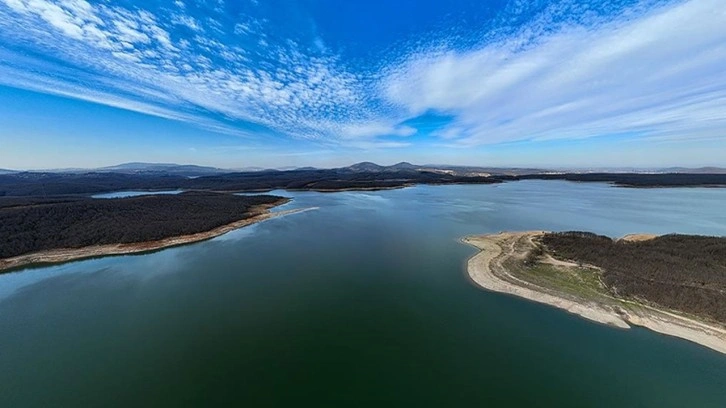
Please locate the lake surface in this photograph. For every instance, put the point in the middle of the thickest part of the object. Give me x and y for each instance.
(134, 193)
(362, 302)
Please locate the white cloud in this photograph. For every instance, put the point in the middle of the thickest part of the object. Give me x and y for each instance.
(187, 21)
(376, 144)
(320, 44)
(68, 16)
(304, 96)
(660, 73)
(373, 129)
(242, 28)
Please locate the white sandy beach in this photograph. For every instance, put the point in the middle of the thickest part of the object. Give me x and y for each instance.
(487, 271)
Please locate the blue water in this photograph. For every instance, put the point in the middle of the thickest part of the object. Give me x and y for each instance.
(123, 194)
(362, 302)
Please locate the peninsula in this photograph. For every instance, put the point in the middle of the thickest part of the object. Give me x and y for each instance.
(41, 231)
(672, 284)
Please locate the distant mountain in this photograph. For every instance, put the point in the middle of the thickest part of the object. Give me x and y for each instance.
(469, 171)
(364, 167)
(643, 170)
(283, 168)
(247, 169)
(404, 166)
(171, 169)
(699, 170)
(370, 167)
(481, 171)
(187, 170)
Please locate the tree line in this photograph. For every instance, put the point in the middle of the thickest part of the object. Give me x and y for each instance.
(47, 224)
(681, 272)
(51, 184)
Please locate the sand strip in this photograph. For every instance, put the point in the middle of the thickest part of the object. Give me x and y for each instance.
(487, 271)
(53, 256)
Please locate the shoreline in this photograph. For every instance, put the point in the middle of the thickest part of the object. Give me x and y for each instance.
(62, 255)
(486, 270)
(353, 189)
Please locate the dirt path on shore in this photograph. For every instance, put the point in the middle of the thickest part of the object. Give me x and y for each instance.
(60, 255)
(638, 237)
(487, 270)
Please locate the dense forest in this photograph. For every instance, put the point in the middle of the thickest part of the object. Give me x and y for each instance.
(680, 272)
(637, 179)
(29, 225)
(50, 184)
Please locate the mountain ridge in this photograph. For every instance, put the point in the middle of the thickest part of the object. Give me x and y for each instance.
(192, 170)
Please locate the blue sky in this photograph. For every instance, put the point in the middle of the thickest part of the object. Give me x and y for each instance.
(327, 83)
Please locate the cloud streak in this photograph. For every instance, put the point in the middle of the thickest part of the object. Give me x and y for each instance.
(130, 55)
(654, 70)
(661, 73)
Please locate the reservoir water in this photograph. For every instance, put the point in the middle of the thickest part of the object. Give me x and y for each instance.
(133, 193)
(362, 302)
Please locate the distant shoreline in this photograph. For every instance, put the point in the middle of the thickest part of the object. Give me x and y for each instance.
(62, 255)
(488, 269)
(360, 177)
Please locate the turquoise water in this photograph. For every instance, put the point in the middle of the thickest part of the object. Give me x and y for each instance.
(362, 302)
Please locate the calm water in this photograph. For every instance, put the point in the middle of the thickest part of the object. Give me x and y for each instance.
(134, 193)
(363, 302)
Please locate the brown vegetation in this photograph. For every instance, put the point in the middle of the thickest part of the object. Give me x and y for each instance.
(680, 272)
(32, 226)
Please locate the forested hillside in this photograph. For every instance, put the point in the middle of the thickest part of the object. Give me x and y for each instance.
(638, 179)
(682, 272)
(28, 225)
(48, 184)
(362, 177)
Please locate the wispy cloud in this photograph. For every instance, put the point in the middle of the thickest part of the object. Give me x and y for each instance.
(130, 54)
(658, 72)
(655, 68)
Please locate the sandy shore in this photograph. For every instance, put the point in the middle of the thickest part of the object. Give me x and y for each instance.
(638, 237)
(487, 271)
(261, 213)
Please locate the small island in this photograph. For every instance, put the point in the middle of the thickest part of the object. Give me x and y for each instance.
(59, 229)
(671, 284)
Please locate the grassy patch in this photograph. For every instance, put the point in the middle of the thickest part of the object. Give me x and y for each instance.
(580, 282)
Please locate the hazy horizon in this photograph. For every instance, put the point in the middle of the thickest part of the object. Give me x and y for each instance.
(283, 167)
(556, 84)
